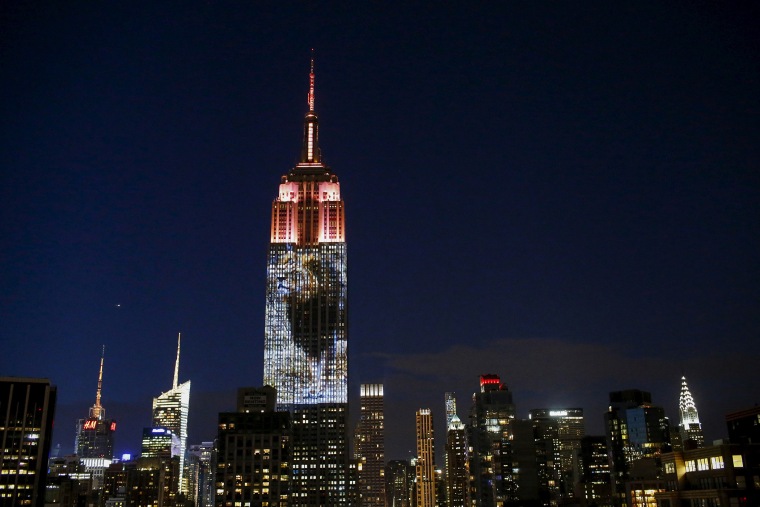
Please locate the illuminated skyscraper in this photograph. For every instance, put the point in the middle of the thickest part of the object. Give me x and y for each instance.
(451, 407)
(457, 466)
(426, 486)
(690, 427)
(557, 436)
(306, 331)
(95, 434)
(369, 446)
(170, 410)
(491, 436)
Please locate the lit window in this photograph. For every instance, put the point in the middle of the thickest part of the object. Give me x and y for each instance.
(738, 461)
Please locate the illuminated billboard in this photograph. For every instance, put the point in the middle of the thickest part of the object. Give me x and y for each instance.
(305, 353)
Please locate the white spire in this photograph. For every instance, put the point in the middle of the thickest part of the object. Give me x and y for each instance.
(311, 84)
(97, 410)
(686, 406)
(176, 365)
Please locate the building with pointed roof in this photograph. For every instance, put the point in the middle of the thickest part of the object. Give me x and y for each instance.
(689, 427)
(306, 321)
(95, 433)
(170, 411)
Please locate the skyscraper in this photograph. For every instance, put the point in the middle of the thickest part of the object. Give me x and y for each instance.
(95, 434)
(27, 406)
(199, 471)
(253, 462)
(306, 331)
(170, 410)
(457, 466)
(557, 435)
(636, 430)
(451, 407)
(690, 427)
(426, 485)
(594, 471)
(399, 483)
(370, 446)
(491, 436)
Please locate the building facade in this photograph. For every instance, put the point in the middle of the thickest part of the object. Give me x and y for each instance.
(491, 436)
(27, 406)
(200, 470)
(253, 459)
(306, 329)
(170, 411)
(593, 472)
(369, 445)
(146, 481)
(399, 483)
(714, 476)
(425, 465)
(744, 426)
(637, 433)
(557, 434)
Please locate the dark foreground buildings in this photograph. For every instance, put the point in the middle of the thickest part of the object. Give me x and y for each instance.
(27, 406)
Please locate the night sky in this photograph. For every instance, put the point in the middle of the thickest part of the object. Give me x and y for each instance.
(565, 194)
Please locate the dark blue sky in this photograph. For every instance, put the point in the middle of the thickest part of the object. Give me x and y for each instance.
(565, 194)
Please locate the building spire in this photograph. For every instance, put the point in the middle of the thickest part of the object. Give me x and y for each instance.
(310, 152)
(176, 365)
(97, 410)
(311, 84)
(686, 405)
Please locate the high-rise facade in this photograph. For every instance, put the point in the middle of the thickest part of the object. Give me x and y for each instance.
(491, 436)
(369, 446)
(27, 406)
(636, 430)
(425, 464)
(306, 329)
(457, 465)
(199, 471)
(450, 399)
(690, 428)
(170, 411)
(399, 483)
(95, 434)
(593, 469)
(557, 435)
(253, 460)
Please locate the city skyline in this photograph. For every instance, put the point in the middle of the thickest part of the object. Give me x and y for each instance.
(564, 197)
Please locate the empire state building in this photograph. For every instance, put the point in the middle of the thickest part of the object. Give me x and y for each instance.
(306, 329)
